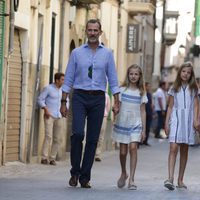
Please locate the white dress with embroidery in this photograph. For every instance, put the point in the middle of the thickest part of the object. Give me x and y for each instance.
(128, 125)
(182, 117)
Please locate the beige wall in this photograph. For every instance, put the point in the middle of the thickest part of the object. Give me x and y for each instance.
(26, 19)
(144, 57)
(109, 14)
(79, 26)
(122, 55)
(149, 49)
(66, 37)
(145, 43)
(47, 11)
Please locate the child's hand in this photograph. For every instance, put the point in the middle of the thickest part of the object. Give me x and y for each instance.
(167, 129)
(143, 136)
(198, 129)
(115, 109)
(196, 125)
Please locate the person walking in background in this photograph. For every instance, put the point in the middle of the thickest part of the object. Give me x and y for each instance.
(198, 83)
(129, 128)
(181, 121)
(50, 101)
(98, 155)
(149, 112)
(88, 69)
(160, 107)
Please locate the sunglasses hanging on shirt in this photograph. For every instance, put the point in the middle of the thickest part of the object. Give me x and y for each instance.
(90, 71)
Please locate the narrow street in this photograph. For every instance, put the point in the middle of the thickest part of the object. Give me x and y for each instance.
(38, 182)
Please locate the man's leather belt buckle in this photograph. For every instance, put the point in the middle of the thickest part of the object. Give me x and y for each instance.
(92, 92)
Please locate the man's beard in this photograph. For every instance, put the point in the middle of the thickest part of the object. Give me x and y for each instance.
(93, 39)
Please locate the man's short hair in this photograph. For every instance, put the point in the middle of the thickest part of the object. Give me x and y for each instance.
(147, 83)
(162, 83)
(93, 21)
(58, 75)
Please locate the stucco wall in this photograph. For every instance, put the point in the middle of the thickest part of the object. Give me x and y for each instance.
(26, 19)
(122, 55)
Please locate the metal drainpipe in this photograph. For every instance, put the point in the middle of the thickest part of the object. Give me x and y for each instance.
(62, 16)
(12, 27)
(23, 103)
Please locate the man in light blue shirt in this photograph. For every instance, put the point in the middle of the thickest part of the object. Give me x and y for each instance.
(50, 100)
(89, 69)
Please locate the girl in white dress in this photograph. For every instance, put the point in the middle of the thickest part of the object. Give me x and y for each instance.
(129, 128)
(181, 121)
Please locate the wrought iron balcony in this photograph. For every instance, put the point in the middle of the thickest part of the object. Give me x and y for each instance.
(91, 1)
(169, 38)
(170, 27)
(79, 2)
(144, 7)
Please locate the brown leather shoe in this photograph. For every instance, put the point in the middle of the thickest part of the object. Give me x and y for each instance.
(44, 161)
(52, 162)
(97, 159)
(73, 181)
(86, 185)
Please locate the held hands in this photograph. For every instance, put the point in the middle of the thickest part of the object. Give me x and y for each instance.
(115, 108)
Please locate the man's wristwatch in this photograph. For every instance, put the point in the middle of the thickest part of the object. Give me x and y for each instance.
(63, 101)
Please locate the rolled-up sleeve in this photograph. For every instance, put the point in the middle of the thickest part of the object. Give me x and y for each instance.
(69, 74)
(171, 92)
(42, 97)
(112, 75)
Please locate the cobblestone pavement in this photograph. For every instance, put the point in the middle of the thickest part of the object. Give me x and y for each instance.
(20, 181)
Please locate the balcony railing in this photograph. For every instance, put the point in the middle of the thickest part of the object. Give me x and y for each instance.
(170, 38)
(90, 1)
(145, 7)
(170, 27)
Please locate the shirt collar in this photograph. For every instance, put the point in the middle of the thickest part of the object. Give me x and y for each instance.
(86, 45)
(54, 85)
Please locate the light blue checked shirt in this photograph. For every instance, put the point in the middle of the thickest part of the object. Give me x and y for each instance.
(103, 70)
(50, 97)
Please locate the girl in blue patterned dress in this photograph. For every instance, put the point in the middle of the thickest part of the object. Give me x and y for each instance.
(181, 121)
(129, 128)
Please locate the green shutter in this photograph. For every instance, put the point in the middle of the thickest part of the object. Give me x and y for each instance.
(197, 18)
(2, 18)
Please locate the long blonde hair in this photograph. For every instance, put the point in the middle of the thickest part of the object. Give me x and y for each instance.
(192, 81)
(140, 83)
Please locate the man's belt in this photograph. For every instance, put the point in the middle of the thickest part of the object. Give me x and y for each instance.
(91, 92)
